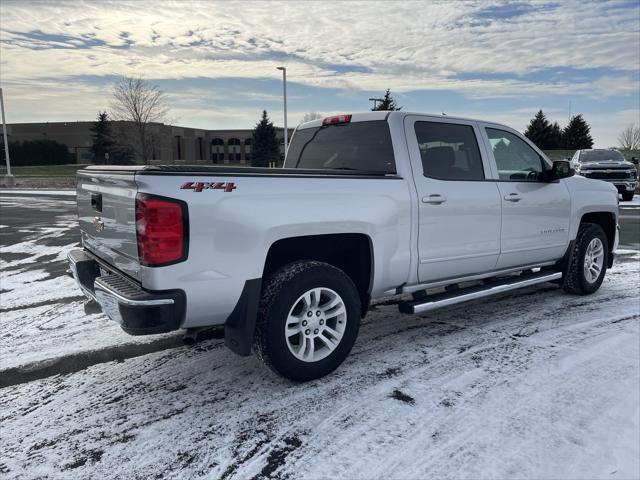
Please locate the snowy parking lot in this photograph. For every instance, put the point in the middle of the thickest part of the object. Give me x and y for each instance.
(532, 384)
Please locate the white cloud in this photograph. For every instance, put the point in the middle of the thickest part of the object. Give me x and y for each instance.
(605, 127)
(408, 46)
(413, 44)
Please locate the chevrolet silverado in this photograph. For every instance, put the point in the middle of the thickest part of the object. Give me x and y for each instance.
(287, 261)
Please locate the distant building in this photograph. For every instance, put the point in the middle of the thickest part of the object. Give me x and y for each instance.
(173, 144)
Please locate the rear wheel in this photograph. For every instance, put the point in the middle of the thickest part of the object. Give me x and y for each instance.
(627, 196)
(589, 259)
(308, 321)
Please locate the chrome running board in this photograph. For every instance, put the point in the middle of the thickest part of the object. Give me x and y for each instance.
(438, 300)
(469, 278)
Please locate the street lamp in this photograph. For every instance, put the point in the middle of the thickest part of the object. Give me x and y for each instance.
(375, 101)
(284, 87)
(4, 132)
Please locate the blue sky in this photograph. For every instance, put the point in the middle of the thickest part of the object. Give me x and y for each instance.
(500, 61)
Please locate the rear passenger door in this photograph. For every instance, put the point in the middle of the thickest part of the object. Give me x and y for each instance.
(459, 211)
(535, 212)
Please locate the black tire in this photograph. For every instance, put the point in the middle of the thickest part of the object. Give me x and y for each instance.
(279, 294)
(627, 197)
(574, 280)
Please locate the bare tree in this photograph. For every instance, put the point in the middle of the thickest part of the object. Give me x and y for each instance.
(137, 101)
(311, 116)
(629, 138)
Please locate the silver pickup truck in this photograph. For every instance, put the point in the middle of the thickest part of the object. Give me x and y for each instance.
(438, 208)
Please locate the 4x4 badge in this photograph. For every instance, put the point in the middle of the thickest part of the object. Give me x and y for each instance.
(199, 186)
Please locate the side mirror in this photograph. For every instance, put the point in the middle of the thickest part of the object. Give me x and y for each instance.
(634, 160)
(561, 169)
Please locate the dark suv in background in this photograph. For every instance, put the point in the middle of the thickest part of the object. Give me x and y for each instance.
(608, 165)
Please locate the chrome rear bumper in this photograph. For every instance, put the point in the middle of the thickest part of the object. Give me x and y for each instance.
(136, 310)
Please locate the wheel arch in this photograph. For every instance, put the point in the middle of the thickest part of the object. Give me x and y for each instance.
(607, 221)
(350, 252)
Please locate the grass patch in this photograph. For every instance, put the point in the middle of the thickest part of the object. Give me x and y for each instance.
(44, 170)
(559, 154)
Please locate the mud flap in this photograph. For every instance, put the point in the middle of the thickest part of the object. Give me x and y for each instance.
(565, 261)
(240, 326)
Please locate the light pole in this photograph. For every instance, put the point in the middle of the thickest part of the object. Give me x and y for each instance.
(4, 133)
(375, 101)
(284, 87)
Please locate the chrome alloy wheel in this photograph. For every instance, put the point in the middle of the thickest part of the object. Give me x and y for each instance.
(593, 260)
(315, 324)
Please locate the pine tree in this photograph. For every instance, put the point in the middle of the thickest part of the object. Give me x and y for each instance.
(387, 103)
(265, 147)
(556, 137)
(102, 139)
(576, 135)
(541, 132)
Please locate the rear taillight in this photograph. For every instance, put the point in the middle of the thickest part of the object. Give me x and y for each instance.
(336, 119)
(161, 226)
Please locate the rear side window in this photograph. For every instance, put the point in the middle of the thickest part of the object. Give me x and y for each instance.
(343, 146)
(449, 151)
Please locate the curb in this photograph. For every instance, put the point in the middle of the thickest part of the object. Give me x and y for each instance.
(79, 361)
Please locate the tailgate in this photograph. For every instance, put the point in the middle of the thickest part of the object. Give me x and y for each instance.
(106, 211)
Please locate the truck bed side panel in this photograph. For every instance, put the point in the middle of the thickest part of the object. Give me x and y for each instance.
(231, 231)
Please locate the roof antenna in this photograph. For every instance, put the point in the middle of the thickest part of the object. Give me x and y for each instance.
(444, 114)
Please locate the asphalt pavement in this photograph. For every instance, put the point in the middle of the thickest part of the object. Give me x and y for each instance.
(629, 221)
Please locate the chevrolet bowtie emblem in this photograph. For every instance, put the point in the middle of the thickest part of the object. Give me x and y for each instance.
(98, 223)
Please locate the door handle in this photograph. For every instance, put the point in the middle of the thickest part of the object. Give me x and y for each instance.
(434, 199)
(513, 197)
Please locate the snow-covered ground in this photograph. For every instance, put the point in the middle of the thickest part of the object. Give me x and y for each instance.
(538, 385)
(634, 202)
(533, 384)
(42, 312)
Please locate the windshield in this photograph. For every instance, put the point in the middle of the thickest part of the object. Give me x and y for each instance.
(344, 146)
(601, 156)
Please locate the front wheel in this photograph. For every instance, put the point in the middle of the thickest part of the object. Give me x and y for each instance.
(589, 259)
(308, 320)
(627, 196)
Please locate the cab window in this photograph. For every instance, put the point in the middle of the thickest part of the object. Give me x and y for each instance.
(362, 146)
(515, 159)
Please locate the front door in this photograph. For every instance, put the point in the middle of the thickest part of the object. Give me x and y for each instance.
(535, 213)
(459, 209)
